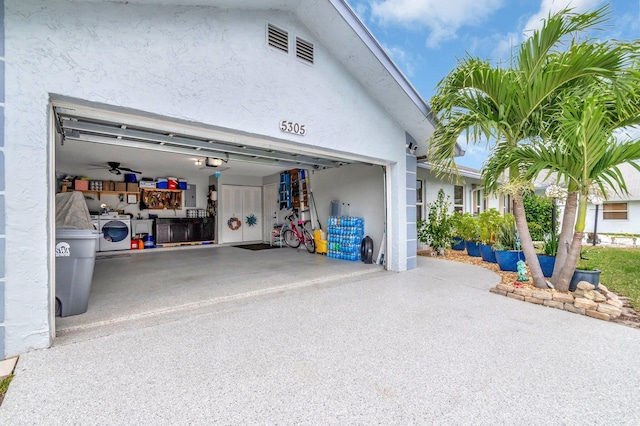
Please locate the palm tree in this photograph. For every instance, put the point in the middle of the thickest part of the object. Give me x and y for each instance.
(511, 105)
(585, 152)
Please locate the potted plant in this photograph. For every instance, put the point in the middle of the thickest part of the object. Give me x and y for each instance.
(547, 258)
(508, 245)
(584, 272)
(457, 242)
(469, 231)
(488, 223)
(436, 229)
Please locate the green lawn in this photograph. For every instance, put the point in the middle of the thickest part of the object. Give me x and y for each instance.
(4, 386)
(620, 270)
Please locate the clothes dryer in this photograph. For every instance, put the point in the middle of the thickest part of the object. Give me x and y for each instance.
(116, 232)
(95, 221)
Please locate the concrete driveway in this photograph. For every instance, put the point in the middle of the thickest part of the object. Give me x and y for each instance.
(427, 346)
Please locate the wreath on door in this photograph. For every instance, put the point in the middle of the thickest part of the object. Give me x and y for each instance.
(234, 223)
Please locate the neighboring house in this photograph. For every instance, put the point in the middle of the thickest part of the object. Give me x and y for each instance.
(90, 81)
(466, 196)
(619, 214)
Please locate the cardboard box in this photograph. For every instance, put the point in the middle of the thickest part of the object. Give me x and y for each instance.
(132, 187)
(120, 186)
(81, 185)
(108, 185)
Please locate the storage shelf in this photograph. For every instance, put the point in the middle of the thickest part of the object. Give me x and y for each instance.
(99, 193)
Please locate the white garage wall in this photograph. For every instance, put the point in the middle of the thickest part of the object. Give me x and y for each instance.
(360, 186)
(191, 63)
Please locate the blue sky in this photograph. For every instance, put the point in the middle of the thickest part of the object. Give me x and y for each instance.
(427, 37)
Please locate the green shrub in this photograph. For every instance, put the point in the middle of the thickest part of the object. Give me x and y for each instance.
(468, 228)
(538, 209)
(456, 218)
(436, 230)
(507, 236)
(489, 222)
(550, 246)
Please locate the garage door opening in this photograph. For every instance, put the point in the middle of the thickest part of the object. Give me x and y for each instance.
(230, 195)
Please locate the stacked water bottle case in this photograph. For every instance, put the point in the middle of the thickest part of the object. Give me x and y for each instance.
(345, 237)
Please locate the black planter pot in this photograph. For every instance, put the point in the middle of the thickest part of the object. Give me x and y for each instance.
(592, 277)
(547, 263)
(487, 253)
(457, 243)
(508, 259)
(473, 248)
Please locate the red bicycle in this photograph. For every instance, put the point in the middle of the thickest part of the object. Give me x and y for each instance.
(293, 236)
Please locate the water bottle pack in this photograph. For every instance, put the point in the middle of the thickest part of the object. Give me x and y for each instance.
(344, 238)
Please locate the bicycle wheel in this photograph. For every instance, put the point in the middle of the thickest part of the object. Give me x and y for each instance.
(309, 242)
(290, 238)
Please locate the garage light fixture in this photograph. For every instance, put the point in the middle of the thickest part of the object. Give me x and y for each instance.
(213, 162)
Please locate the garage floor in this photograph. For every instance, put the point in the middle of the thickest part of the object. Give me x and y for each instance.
(133, 287)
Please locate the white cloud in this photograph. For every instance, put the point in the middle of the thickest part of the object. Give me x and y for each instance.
(552, 6)
(442, 17)
(505, 43)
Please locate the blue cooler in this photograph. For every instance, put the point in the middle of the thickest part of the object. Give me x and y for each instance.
(182, 184)
(162, 183)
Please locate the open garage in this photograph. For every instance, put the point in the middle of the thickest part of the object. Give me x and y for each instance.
(247, 90)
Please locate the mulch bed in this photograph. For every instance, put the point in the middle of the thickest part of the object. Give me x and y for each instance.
(629, 317)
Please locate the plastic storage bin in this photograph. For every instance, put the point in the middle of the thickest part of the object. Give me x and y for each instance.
(75, 259)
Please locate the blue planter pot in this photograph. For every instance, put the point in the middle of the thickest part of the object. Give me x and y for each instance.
(473, 248)
(508, 259)
(457, 243)
(592, 277)
(547, 263)
(487, 253)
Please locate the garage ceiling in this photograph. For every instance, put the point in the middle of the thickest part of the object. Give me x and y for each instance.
(88, 139)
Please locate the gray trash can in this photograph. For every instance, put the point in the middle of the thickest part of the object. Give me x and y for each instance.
(75, 259)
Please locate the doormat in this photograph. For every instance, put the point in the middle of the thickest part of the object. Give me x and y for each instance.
(256, 247)
(112, 256)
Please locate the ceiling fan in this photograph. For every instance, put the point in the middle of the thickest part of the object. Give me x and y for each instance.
(113, 167)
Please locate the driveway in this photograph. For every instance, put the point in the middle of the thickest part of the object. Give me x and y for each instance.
(427, 346)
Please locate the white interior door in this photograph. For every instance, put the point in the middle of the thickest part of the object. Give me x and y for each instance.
(269, 210)
(252, 213)
(231, 207)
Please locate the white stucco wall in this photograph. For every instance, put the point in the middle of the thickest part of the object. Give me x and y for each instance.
(200, 64)
(616, 226)
(361, 187)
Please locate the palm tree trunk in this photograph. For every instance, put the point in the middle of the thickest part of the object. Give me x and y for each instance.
(570, 263)
(576, 246)
(566, 233)
(526, 242)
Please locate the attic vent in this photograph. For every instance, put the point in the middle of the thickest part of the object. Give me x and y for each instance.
(304, 50)
(278, 38)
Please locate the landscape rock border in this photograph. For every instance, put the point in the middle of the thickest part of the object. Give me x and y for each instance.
(596, 302)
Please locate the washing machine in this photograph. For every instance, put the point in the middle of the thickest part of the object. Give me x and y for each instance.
(116, 232)
(95, 221)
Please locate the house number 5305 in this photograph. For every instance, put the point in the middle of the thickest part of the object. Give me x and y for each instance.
(291, 127)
